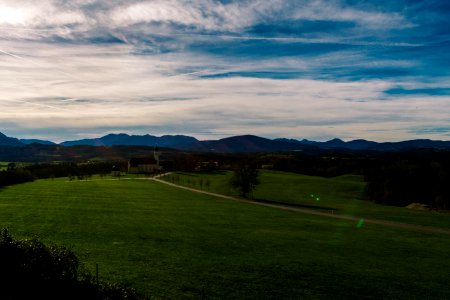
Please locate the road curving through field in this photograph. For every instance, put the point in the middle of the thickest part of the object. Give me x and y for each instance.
(331, 214)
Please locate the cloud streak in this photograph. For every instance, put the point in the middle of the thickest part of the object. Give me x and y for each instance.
(302, 69)
(68, 19)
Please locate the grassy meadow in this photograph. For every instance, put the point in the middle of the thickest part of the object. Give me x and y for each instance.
(175, 244)
(340, 195)
(3, 165)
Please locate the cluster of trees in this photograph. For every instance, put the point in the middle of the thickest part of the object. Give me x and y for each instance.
(33, 270)
(14, 175)
(393, 178)
(396, 178)
(327, 165)
(83, 169)
(410, 178)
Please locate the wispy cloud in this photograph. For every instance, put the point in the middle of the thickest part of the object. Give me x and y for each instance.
(65, 19)
(293, 68)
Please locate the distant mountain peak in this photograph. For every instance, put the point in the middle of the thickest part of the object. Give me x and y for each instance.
(335, 140)
(9, 141)
(124, 139)
(36, 141)
(116, 134)
(240, 143)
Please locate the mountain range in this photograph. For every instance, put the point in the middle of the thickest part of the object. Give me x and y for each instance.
(235, 144)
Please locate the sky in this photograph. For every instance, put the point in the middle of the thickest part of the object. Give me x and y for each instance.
(317, 69)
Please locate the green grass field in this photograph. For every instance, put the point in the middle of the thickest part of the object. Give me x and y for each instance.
(3, 165)
(175, 244)
(342, 195)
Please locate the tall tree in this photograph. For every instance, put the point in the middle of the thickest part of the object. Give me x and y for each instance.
(245, 179)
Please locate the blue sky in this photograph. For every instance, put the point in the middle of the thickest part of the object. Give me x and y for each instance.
(315, 69)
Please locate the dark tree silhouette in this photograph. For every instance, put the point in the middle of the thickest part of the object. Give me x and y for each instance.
(245, 179)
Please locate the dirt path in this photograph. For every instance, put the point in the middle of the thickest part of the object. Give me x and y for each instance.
(413, 227)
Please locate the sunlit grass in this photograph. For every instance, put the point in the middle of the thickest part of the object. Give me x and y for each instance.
(340, 195)
(177, 244)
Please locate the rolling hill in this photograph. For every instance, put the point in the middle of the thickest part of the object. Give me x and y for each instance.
(171, 141)
(8, 141)
(234, 144)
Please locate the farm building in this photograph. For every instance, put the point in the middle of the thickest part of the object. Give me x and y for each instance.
(142, 165)
(145, 165)
(115, 172)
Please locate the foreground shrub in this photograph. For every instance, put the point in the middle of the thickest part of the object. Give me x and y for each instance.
(31, 270)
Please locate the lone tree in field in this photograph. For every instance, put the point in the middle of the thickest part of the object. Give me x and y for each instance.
(245, 179)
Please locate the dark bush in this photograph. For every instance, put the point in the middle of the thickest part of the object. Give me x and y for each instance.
(15, 176)
(416, 179)
(31, 270)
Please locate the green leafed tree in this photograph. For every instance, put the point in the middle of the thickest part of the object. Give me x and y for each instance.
(245, 179)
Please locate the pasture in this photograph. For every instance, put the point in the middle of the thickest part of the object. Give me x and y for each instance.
(3, 165)
(339, 195)
(176, 244)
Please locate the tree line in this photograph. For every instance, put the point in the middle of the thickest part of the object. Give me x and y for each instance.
(15, 174)
(393, 178)
(402, 179)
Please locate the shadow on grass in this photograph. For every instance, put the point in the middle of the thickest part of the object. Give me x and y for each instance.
(214, 172)
(186, 174)
(295, 204)
(196, 173)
